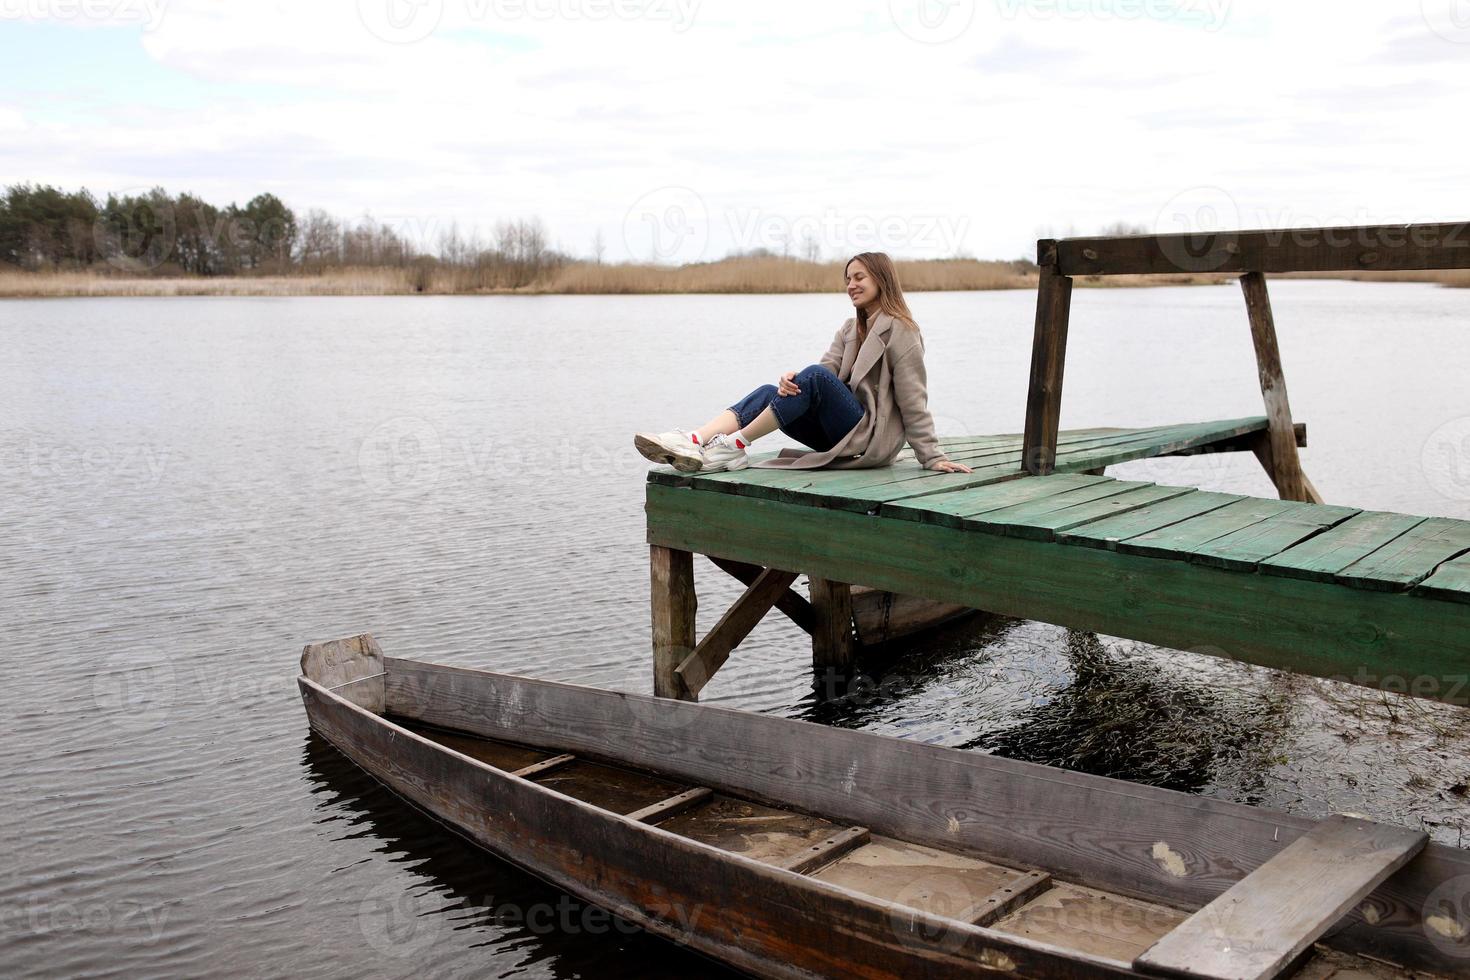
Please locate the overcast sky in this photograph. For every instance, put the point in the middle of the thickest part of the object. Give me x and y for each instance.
(684, 129)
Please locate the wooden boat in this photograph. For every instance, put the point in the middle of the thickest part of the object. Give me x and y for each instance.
(788, 849)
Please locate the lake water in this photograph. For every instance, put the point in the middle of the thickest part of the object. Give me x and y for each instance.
(193, 488)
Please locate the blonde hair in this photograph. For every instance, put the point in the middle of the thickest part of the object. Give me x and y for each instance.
(890, 293)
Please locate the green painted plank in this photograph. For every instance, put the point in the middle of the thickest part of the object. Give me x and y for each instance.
(1181, 540)
(951, 508)
(1045, 527)
(1389, 640)
(1320, 558)
(1000, 520)
(1107, 532)
(1450, 581)
(1170, 440)
(1409, 558)
(1244, 549)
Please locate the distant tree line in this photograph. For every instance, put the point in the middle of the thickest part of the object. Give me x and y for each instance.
(45, 228)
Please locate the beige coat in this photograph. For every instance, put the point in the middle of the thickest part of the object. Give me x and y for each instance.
(887, 375)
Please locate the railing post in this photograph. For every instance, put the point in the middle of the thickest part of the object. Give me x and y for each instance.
(1048, 356)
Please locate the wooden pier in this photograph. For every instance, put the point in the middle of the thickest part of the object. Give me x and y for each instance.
(1038, 531)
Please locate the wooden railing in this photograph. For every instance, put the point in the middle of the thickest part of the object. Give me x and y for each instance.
(1251, 254)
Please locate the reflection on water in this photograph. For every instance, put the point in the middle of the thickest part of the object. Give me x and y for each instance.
(194, 488)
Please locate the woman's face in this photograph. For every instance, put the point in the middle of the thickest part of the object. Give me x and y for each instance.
(862, 289)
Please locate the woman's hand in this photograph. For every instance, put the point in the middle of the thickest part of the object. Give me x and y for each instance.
(786, 386)
(949, 466)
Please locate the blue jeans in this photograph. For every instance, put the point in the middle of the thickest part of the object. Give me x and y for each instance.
(824, 412)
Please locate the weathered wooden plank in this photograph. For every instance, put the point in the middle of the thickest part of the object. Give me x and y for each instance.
(710, 654)
(676, 804)
(545, 766)
(826, 851)
(792, 604)
(672, 604)
(1381, 248)
(1241, 444)
(1265, 921)
(1176, 848)
(613, 788)
(1045, 527)
(1450, 581)
(832, 637)
(1242, 550)
(1409, 558)
(1048, 360)
(759, 919)
(1181, 540)
(1411, 643)
(1091, 921)
(1172, 440)
(1106, 532)
(1322, 556)
(1005, 519)
(943, 883)
(949, 509)
(1006, 898)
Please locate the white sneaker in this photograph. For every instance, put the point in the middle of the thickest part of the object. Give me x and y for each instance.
(723, 453)
(677, 449)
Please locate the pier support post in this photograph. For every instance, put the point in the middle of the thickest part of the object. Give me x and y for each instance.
(1048, 357)
(673, 603)
(832, 642)
(1279, 455)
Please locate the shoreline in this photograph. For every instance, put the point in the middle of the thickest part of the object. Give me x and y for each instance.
(732, 277)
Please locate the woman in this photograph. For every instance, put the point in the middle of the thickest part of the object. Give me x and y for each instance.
(856, 408)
